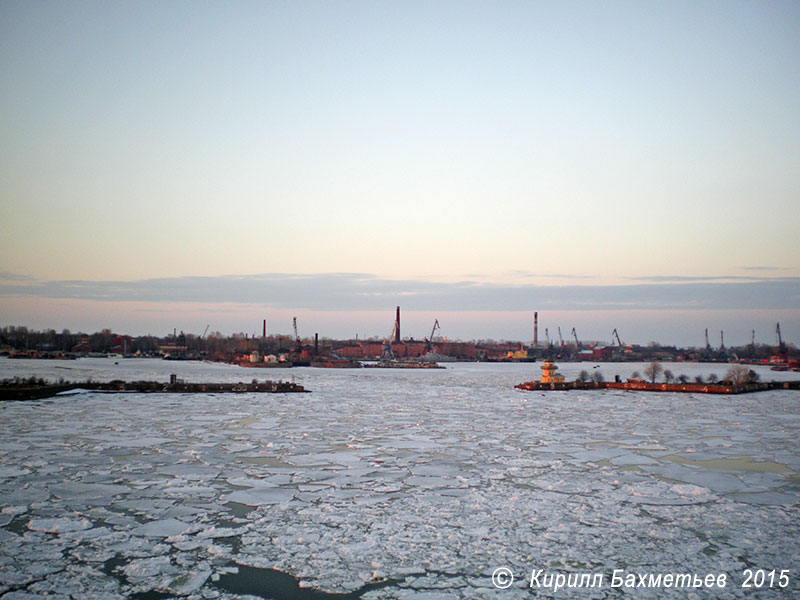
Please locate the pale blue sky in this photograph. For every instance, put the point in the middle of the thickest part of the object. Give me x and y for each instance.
(506, 143)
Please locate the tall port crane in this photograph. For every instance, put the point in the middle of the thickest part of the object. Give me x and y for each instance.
(387, 353)
(781, 346)
(560, 337)
(296, 337)
(577, 342)
(205, 332)
(614, 334)
(435, 327)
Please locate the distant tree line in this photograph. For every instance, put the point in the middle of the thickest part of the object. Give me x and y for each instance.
(737, 375)
(23, 339)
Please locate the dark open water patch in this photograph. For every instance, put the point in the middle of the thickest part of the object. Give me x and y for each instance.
(18, 525)
(264, 583)
(110, 567)
(276, 585)
(151, 596)
(237, 509)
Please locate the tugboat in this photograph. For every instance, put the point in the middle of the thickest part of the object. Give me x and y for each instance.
(551, 379)
(550, 374)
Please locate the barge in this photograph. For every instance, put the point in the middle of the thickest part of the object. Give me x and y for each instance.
(640, 386)
(552, 380)
(403, 364)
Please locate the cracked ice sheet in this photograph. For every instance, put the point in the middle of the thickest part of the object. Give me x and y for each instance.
(409, 476)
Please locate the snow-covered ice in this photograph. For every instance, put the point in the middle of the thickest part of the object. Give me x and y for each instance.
(399, 484)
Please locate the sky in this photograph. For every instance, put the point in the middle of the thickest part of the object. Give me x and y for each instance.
(629, 165)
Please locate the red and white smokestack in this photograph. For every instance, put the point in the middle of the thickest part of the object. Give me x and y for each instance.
(536, 330)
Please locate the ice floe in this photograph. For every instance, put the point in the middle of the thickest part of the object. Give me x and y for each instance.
(424, 482)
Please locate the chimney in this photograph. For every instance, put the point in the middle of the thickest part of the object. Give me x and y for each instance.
(265, 329)
(536, 330)
(397, 327)
(316, 342)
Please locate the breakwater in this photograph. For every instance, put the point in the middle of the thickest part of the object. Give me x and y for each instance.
(35, 389)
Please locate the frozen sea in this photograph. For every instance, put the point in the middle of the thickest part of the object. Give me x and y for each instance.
(387, 484)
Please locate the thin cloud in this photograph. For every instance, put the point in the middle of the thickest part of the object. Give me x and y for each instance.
(359, 291)
(532, 275)
(764, 268)
(713, 278)
(7, 276)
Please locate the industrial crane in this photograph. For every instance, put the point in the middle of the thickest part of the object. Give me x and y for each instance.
(560, 337)
(387, 353)
(205, 332)
(296, 337)
(614, 334)
(781, 347)
(435, 327)
(575, 335)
